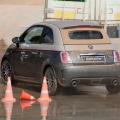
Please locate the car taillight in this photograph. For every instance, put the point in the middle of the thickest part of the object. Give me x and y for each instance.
(65, 57)
(116, 56)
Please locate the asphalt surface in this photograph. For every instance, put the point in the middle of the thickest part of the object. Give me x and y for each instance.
(82, 103)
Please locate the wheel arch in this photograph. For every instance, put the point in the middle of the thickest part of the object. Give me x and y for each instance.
(47, 66)
(9, 60)
(5, 58)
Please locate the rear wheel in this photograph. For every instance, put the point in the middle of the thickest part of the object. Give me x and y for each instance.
(53, 85)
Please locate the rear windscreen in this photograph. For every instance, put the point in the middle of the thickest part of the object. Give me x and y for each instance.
(85, 34)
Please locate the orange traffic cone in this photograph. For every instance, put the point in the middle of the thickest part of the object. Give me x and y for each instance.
(8, 109)
(26, 96)
(44, 109)
(26, 103)
(8, 92)
(44, 92)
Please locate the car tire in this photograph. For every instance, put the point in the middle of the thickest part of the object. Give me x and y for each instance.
(6, 72)
(112, 89)
(53, 86)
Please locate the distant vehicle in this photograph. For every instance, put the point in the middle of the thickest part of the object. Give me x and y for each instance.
(68, 53)
(100, 11)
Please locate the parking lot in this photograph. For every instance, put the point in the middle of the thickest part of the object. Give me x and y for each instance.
(97, 58)
(82, 103)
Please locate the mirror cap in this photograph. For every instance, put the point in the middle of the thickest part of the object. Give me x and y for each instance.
(15, 40)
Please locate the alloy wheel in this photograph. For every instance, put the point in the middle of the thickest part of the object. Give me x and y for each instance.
(51, 81)
(5, 71)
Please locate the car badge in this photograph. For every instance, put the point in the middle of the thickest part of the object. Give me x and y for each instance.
(90, 47)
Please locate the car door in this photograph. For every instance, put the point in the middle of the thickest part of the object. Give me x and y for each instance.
(25, 55)
(45, 50)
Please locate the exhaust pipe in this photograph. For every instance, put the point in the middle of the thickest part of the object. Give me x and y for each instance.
(74, 83)
(115, 82)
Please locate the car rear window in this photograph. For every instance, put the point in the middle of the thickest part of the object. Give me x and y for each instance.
(85, 34)
(80, 35)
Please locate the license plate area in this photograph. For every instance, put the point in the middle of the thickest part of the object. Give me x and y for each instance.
(93, 58)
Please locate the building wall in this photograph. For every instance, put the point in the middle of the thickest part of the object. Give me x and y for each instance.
(21, 2)
(17, 15)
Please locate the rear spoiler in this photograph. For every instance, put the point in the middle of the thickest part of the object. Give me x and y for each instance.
(84, 26)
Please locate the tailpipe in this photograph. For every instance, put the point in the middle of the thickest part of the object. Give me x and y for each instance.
(115, 82)
(74, 83)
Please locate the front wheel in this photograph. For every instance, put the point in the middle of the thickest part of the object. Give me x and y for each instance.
(53, 85)
(5, 71)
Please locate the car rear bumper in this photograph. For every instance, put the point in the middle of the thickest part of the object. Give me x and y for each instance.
(89, 74)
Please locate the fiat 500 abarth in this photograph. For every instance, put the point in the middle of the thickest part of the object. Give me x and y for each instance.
(68, 53)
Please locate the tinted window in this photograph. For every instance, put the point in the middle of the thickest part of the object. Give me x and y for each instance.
(89, 34)
(32, 35)
(47, 35)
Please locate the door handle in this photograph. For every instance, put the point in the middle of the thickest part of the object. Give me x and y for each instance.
(21, 58)
(22, 52)
(40, 54)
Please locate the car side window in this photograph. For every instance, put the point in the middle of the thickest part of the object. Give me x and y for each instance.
(47, 35)
(32, 35)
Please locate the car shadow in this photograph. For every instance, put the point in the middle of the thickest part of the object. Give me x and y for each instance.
(72, 91)
(63, 91)
(69, 91)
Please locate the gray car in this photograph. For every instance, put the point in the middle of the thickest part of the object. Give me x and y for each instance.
(68, 53)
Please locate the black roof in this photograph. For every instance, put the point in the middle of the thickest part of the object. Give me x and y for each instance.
(70, 23)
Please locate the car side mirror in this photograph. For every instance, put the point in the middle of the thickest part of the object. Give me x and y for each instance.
(16, 41)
